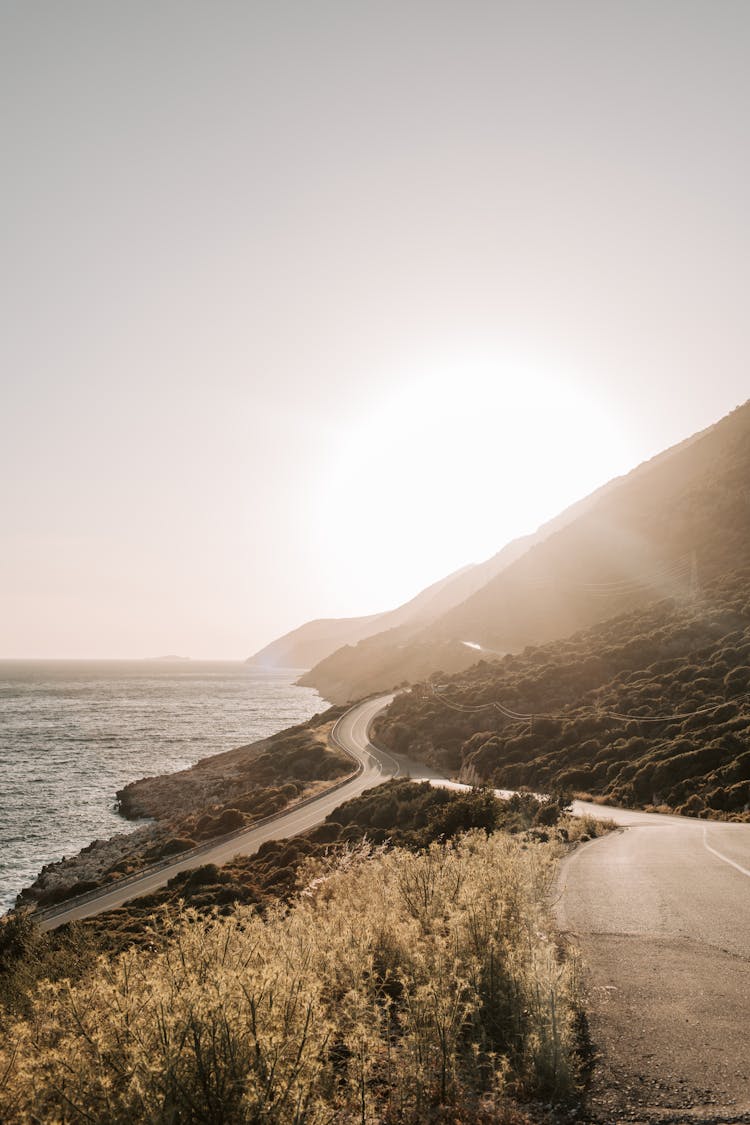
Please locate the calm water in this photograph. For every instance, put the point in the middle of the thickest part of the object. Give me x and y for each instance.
(72, 733)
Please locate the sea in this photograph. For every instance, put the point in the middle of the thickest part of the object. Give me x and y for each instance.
(74, 732)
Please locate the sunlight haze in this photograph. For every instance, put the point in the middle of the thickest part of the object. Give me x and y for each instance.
(461, 447)
(306, 305)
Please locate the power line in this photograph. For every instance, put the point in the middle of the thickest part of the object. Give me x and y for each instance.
(516, 716)
(672, 572)
(669, 570)
(684, 567)
(529, 717)
(661, 718)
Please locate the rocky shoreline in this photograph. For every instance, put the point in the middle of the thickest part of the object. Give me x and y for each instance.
(217, 795)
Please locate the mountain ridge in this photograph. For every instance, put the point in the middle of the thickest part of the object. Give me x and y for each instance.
(630, 541)
(325, 635)
(312, 642)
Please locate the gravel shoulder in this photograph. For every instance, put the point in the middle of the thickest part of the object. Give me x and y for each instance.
(669, 1022)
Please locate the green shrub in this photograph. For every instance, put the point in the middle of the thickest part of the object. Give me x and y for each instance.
(176, 845)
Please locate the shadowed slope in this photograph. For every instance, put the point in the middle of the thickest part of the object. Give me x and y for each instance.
(650, 708)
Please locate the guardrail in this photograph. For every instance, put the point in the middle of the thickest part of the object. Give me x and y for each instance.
(47, 912)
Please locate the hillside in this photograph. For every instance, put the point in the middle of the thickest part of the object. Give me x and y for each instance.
(315, 640)
(678, 521)
(381, 634)
(217, 795)
(650, 708)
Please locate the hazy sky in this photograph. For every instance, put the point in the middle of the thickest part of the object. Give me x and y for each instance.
(307, 304)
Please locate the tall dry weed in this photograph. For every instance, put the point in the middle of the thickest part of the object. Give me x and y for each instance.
(394, 984)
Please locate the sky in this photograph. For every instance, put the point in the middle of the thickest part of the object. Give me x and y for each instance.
(307, 304)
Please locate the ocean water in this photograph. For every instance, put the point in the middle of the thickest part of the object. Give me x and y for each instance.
(74, 732)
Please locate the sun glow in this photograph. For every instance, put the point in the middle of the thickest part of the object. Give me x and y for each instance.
(465, 455)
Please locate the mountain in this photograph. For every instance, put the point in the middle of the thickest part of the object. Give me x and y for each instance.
(314, 641)
(669, 527)
(307, 645)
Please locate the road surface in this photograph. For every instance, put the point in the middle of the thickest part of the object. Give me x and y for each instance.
(350, 733)
(661, 911)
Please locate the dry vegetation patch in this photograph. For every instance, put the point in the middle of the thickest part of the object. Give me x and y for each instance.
(399, 813)
(395, 986)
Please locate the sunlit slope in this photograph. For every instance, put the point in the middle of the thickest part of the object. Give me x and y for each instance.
(673, 526)
(315, 640)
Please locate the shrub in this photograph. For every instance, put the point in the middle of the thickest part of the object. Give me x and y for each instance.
(611, 702)
(175, 845)
(737, 680)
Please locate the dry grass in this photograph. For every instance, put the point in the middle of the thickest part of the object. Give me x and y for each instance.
(587, 827)
(395, 986)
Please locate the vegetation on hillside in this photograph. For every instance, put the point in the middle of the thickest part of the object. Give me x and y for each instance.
(649, 709)
(397, 987)
(298, 754)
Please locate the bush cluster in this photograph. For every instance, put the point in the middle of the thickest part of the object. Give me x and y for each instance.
(650, 709)
(400, 813)
(217, 796)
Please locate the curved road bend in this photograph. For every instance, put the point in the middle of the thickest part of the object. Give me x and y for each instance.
(661, 911)
(350, 732)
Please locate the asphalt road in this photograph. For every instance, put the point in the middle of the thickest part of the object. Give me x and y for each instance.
(351, 732)
(661, 911)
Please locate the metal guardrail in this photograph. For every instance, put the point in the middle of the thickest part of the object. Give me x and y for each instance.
(46, 912)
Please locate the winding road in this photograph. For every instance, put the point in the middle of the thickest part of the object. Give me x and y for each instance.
(660, 909)
(350, 734)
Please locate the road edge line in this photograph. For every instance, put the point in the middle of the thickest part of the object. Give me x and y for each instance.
(723, 858)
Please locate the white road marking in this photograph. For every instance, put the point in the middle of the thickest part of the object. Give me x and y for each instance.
(723, 858)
